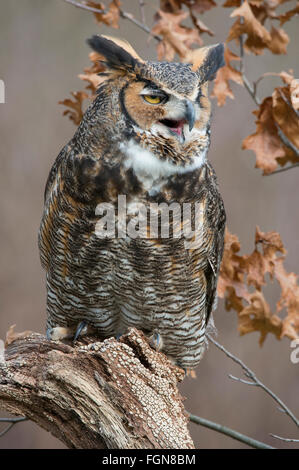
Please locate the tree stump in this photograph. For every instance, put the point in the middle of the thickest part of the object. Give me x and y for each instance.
(115, 394)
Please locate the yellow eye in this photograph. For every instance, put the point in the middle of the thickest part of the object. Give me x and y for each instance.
(153, 99)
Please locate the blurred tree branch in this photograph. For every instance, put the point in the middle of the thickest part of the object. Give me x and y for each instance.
(229, 432)
(123, 14)
(255, 381)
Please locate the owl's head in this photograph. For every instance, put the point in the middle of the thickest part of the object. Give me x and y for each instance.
(169, 100)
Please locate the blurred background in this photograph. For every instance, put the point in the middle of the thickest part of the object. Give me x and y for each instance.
(42, 52)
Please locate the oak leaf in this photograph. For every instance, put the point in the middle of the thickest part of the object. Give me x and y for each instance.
(109, 17)
(195, 6)
(279, 41)
(265, 141)
(75, 112)
(257, 35)
(289, 14)
(252, 16)
(257, 316)
(240, 274)
(176, 38)
(285, 115)
(222, 88)
(289, 299)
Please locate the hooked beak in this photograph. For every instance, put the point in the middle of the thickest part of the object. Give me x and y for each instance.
(190, 114)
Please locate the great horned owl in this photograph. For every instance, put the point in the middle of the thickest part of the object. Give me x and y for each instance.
(145, 137)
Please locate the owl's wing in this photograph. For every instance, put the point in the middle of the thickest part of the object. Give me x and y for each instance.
(216, 219)
(54, 170)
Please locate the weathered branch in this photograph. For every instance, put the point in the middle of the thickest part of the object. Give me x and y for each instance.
(281, 170)
(111, 394)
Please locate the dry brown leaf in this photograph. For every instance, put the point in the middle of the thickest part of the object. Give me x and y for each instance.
(200, 6)
(231, 3)
(294, 91)
(111, 16)
(265, 142)
(93, 79)
(202, 28)
(289, 14)
(262, 9)
(176, 38)
(279, 41)
(171, 6)
(11, 336)
(257, 316)
(257, 35)
(239, 273)
(222, 88)
(286, 118)
(91, 74)
(195, 6)
(287, 77)
(289, 299)
(278, 109)
(254, 14)
(75, 112)
(231, 275)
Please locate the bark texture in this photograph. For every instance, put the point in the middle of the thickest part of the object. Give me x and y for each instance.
(111, 394)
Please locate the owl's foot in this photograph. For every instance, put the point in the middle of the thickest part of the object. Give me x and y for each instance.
(156, 341)
(81, 330)
(57, 333)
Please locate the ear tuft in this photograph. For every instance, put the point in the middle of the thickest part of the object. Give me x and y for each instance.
(116, 56)
(207, 60)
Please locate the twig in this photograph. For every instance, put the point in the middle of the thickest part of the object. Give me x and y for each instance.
(142, 11)
(144, 27)
(251, 89)
(249, 373)
(283, 169)
(2, 433)
(287, 142)
(296, 111)
(284, 438)
(237, 379)
(229, 432)
(12, 422)
(123, 14)
(84, 7)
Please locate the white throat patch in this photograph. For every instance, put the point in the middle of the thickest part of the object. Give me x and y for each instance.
(150, 170)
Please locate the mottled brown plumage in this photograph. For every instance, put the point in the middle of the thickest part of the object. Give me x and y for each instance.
(145, 137)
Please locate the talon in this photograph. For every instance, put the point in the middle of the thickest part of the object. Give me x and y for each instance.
(49, 333)
(58, 333)
(156, 341)
(79, 330)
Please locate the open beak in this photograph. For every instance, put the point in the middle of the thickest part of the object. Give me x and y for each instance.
(190, 114)
(176, 126)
